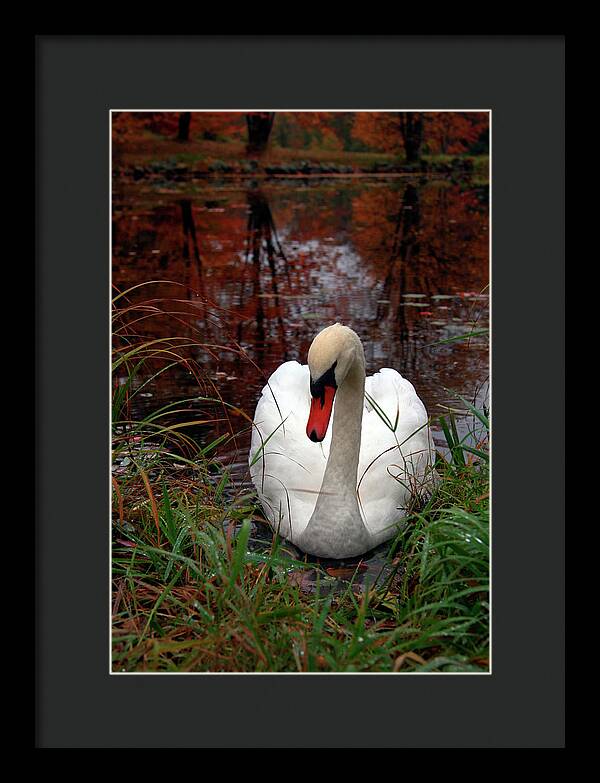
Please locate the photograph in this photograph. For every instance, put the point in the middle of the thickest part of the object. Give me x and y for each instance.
(300, 395)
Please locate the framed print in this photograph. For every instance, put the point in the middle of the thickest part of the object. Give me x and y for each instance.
(298, 322)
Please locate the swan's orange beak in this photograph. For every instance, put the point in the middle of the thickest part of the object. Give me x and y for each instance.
(320, 413)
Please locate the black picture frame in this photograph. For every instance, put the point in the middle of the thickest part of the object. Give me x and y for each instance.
(78, 80)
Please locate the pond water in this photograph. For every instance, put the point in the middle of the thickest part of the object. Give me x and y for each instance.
(402, 261)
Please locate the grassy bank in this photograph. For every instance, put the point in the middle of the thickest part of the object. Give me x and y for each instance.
(150, 155)
(196, 588)
(190, 596)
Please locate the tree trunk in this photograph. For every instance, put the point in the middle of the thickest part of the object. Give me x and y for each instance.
(185, 118)
(411, 127)
(259, 130)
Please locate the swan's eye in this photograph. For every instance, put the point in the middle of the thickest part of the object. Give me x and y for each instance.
(317, 388)
(323, 392)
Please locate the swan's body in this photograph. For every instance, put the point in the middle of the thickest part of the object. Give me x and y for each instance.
(308, 489)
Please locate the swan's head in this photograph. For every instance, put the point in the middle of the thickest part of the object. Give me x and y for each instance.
(330, 356)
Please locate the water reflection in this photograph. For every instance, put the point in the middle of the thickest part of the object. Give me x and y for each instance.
(403, 263)
(263, 247)
(403, 255)
(194, 277)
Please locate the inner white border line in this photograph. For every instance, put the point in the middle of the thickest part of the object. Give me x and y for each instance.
(110, 295)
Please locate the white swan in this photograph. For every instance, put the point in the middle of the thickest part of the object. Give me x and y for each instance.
(306, 473)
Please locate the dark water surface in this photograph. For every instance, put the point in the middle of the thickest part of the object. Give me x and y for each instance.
(404, 262)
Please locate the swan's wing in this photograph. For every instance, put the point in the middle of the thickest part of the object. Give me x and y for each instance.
(286, 466)
(396, 449)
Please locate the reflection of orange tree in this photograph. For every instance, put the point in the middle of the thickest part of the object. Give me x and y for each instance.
(326, 213)
(171, 243)
(424, 240)
(262, 242)
(443, 225)
(455, 233)
(220, 248)
(392, 245)
(161, 241)
(189, 233)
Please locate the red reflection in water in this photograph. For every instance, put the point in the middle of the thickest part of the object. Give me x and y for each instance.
(404, 264)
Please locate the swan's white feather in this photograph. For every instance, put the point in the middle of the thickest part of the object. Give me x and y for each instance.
(288, 467)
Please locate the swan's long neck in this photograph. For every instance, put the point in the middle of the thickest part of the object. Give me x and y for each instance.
(335, 528)
(342, 466)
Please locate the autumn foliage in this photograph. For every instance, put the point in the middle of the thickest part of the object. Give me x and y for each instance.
(405, 134)
(206, 125)
(434, 132)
